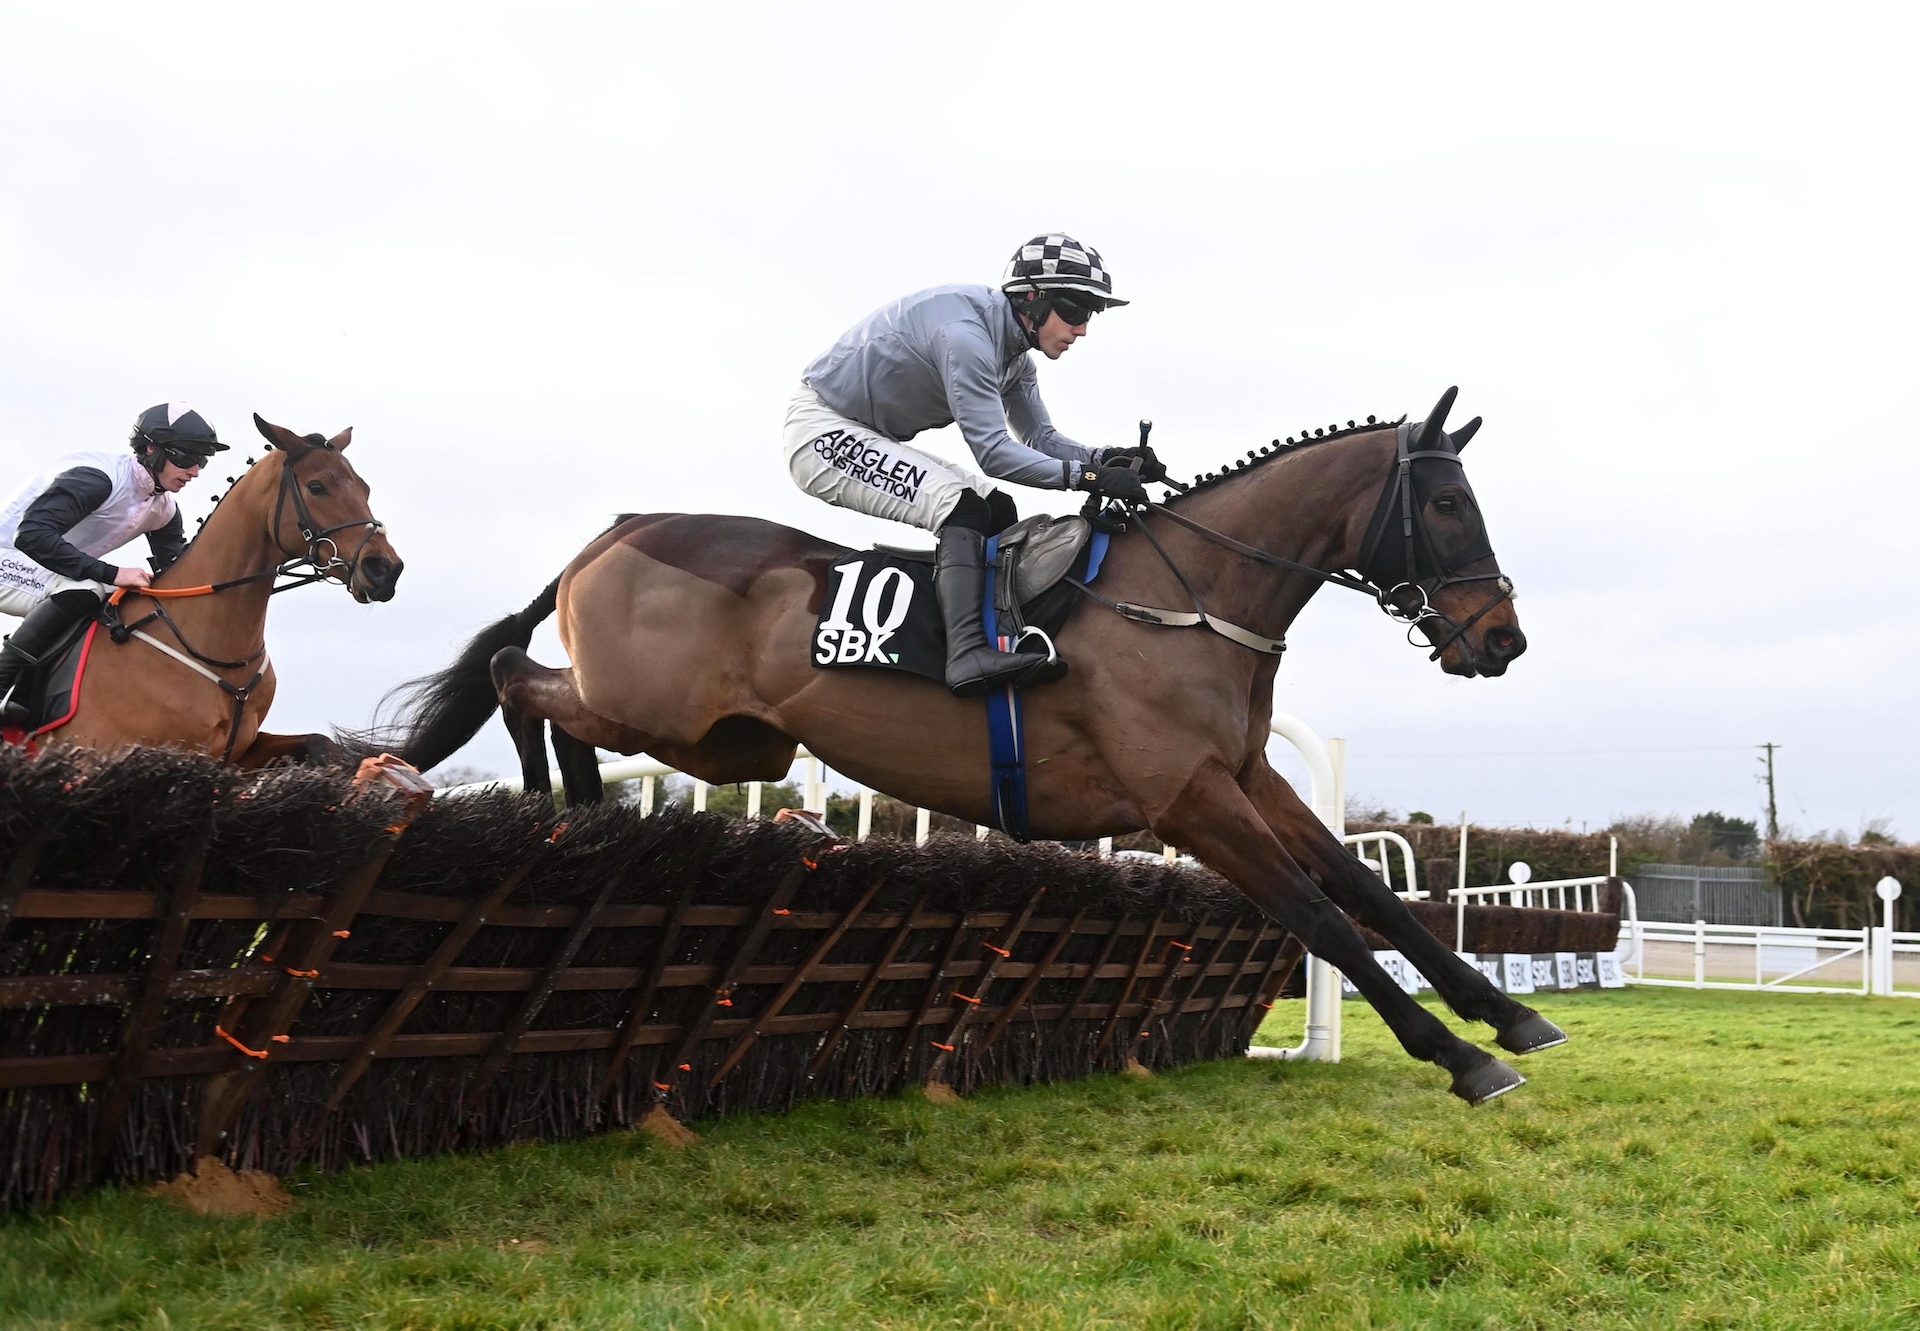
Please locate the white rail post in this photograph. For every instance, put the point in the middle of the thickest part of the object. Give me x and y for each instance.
(1325, 985)
(646, 796)
(1325, 769)
(1106, 847)
(1463, 852)
(922, 826)
(1699, 954)
(815, 800)
(1888, 890)
(700, 796)
(866, 814)
(753, 800)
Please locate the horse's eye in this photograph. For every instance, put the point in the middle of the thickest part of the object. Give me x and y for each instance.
(1447, 505)
(315, 488)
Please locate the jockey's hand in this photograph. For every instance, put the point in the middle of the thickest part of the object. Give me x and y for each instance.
(1121, 483)
(1151, 468)
(132, 577)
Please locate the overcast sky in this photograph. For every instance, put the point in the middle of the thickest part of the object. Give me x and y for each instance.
(557, 262)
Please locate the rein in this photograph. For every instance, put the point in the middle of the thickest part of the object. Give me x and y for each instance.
(327, 566)
(1397, 494)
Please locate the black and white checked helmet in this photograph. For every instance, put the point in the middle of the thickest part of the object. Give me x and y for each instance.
(1059, 263)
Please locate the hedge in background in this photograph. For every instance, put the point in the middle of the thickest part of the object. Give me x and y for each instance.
(1830, 886)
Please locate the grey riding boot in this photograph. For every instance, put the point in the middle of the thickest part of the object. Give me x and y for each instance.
(959, 579)
(37, 635)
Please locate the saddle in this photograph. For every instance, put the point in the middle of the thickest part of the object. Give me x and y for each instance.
(50, 690)
(1030, 558)
(880, 609)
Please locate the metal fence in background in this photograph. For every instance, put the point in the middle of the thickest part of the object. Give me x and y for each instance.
(1717, 894)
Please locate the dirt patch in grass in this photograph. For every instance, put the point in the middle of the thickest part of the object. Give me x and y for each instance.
(664, 1128)
(216, 1190)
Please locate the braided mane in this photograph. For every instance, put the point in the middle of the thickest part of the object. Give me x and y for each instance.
(317, 440)
(221, 498)
(1278, 448)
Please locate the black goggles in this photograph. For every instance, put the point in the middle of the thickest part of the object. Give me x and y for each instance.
(184, 458)
(1073, 312)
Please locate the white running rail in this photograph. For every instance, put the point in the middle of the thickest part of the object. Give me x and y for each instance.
(1375, 850)
(1889, 946)
(1781, 958)
(1560, 894)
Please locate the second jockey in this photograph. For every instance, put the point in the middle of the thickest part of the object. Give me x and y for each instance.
(54, 529)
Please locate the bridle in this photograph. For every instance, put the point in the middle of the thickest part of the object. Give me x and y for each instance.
(320, 561)
(1413, 523)
(1406, 598)
(325, 566)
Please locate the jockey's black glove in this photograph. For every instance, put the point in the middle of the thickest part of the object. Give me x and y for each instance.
(1122, 483)
(1151, 468)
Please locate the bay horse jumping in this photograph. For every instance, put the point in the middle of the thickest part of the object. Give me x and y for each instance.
(184, 663)
(689, 638)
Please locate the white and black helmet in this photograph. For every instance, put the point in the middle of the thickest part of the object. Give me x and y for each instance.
(1059, 263)
(175, 426)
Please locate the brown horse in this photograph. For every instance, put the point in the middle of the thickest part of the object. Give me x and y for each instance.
(186, 664)
(689, 637)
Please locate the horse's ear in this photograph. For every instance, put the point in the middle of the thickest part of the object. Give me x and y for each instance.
(1436, 422)
(340, 441)
(281, 437)
(1464, 433)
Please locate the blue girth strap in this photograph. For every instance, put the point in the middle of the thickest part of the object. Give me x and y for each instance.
(1096, 554)
(1006, 737)
(1006, 741)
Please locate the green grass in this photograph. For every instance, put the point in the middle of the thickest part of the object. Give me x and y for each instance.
(1689, 1160)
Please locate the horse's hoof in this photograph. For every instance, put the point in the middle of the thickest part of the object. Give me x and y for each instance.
(1486, 1082)
(1530, 1035)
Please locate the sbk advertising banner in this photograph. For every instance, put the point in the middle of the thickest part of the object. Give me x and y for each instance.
(1513, 972)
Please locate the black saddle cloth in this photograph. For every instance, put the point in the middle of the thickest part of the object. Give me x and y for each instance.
(880, 611)
(50, 691)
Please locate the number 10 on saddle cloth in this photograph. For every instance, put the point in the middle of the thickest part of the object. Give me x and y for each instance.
(880, 608)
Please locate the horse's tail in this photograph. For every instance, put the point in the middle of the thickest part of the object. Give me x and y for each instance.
(439, 713)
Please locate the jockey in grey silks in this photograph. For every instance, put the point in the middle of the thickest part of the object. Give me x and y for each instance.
(959, 354)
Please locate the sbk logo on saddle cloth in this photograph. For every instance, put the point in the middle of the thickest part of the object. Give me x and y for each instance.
(880, 611)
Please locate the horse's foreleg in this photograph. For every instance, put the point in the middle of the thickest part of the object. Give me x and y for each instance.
(318, 750)
(1214, 818)
(1360, 893)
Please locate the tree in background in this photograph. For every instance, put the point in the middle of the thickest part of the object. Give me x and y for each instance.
(1878, 832)
(1736, 838)
(445, 778)
(1361, 809)
(727, 801)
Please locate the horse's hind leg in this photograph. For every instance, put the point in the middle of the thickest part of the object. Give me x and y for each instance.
(579, 768)
(1359, 892)
(535, 692)
(1214, 818)
(530, 742)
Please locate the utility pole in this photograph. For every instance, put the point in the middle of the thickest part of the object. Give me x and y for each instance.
(1773, 808)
